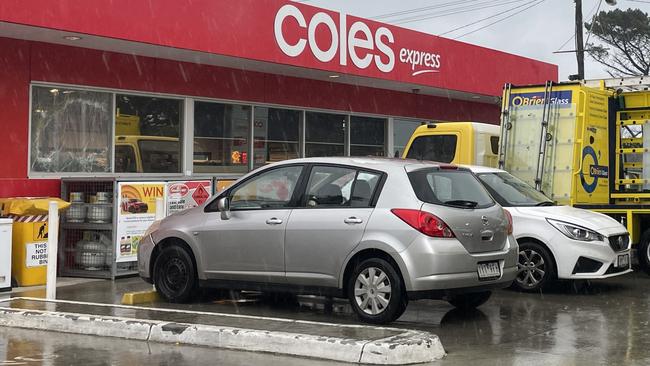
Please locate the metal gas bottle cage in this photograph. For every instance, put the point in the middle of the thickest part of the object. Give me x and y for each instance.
(544, 138)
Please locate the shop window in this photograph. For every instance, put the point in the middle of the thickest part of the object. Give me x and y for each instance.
(70, 130)
(147, 134)
(402, 131)
(277, 135)
(367, 136)
(221, 137)
(324, 134)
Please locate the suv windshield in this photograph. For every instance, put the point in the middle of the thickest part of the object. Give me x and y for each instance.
(457, 188)
(510, 191)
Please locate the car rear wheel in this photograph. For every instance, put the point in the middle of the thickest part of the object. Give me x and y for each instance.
(469, 301)
(376, 292)
(535, 268)
(175, 275)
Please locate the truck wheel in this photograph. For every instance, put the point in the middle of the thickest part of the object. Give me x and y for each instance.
(175, 275)
(535, 268)
(643, 251)
(376, 292)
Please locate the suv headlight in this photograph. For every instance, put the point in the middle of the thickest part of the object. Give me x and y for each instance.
(153, 227)
(575, 232)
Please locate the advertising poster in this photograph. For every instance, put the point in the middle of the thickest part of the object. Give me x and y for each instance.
(187, 194)
(137, 211)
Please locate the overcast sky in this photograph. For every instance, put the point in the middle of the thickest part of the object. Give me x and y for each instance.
(536, 32)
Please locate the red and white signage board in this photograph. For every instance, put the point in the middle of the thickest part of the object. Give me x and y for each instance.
(288, 33)
(187, 194)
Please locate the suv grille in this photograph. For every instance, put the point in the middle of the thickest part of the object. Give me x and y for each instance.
(619, 242)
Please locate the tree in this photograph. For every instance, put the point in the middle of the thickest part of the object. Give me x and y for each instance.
(624, 42)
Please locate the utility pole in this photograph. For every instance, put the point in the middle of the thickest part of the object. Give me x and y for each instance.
(580, 47)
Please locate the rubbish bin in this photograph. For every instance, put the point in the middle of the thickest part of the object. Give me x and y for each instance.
(29, 237)
(5, 254)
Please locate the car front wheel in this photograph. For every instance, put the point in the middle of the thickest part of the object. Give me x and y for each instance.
(535, 268)
(175, 275)
(376, 292)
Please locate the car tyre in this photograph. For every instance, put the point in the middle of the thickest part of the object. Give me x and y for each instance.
(175, 275)
(376, 292)
(643, 252)
(470, 300)
(535, 268)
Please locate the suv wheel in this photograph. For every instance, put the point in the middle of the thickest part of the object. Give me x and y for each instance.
(175, 275)
(469, 301)
(535, 268)
(376, 292)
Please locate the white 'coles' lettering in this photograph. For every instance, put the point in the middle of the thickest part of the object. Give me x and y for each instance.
(360, 43)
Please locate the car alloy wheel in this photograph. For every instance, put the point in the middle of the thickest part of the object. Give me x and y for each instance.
(372, 291)
(531, 269)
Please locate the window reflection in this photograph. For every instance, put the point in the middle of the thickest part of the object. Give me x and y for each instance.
(277, 135)
(147, 134)
(367, 136)
(221, 137)
(325, 134)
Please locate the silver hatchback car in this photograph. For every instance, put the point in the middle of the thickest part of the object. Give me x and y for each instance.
(378, 231)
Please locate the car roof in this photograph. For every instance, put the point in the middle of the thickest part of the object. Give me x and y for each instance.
(483, 169)
(369, 162)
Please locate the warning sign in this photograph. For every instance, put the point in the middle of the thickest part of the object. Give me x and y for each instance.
(36, 254)
(187, 194)
(40, 231)
(200, 195)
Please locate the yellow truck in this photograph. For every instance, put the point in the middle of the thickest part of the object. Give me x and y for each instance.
(455, 142)
(581, 143)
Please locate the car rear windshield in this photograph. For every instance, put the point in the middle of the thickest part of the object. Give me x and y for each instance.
(458, 188)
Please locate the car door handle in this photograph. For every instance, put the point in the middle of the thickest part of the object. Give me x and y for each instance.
(273, 221)
(353, 220)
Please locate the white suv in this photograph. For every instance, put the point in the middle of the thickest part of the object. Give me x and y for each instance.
(557, 242)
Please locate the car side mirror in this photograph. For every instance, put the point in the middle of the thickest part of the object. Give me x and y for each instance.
(223, 205)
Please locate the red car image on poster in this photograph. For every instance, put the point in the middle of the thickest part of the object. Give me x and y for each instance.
(134, 205)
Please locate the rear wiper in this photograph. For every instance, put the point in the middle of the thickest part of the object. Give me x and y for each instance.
(461, 203)
(545, 203)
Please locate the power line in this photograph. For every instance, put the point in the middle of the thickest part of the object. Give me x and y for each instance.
(594, 11)
(417, 10)
(486, 18)
(454, 11)
(593, 18)
(500, 20)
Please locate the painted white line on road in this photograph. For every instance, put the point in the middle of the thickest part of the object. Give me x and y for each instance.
(242, 316)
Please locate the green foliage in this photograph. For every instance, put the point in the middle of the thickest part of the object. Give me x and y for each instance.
(623, 41)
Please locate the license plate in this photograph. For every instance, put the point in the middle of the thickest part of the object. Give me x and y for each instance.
(489, 270)
(623, 261)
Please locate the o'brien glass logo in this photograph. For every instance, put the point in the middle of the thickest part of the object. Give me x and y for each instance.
(559, 98)
(375, 48)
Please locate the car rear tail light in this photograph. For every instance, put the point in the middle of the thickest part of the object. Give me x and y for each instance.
(424, 222)
(509, 217)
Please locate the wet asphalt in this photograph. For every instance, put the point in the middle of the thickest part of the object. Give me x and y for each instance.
(575, 323)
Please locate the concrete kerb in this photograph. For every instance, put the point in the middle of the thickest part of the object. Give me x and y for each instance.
(409, 347)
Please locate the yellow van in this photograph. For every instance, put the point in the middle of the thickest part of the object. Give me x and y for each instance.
(469, 143)
(151, 154)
